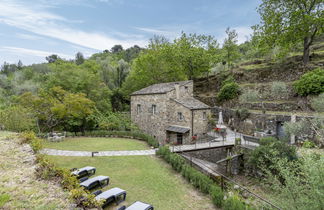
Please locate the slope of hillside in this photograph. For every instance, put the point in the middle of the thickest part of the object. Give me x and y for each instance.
(259, 75)
(19, 186)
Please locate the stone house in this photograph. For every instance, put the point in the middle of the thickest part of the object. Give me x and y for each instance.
(170, 113)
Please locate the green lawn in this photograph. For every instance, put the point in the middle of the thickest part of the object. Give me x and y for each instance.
(97, 144)
(145, 178)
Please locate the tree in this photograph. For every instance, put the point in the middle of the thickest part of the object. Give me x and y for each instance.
(196, 54)
(121, 73)
(117, 48)
(57, 108)
(286, 23)
(52, 58)
(20, 65)
(8, 68)
(79, 59)
(231, 50)
(299, 184)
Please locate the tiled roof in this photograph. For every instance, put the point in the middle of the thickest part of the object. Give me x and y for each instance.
(160, 88)
(191, 103)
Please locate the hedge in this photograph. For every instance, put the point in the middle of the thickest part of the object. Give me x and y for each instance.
(104, 133)
(195, 177)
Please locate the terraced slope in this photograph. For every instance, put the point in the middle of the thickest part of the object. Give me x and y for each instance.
(19, 187)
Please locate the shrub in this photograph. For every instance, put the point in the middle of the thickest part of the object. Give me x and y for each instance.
(234, 203)
(263, 157)
(229, 91)
(311, 83)
(279, 90)
(318, 103)
(249, 95)
(16, 118)
(308, 144)
(29, 137)
(229, 79)
(297, 128)
(217, 195)
(242, 114)
(193, 176)
(48, 170)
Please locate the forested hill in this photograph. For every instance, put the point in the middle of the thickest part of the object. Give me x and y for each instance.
(93, 93)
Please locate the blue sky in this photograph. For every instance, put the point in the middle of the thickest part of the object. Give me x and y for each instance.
(30, 30)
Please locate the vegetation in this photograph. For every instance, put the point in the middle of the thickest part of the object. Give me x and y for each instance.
(199, 180)
(295, 182)
(279, 90)
(97, 144)
(249, 96)
(286, 24)
(288, 186)
(318, 103)
(270, 149)
(311, 83)
(229, 90)
(20, 188)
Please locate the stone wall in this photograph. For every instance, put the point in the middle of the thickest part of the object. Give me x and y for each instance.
(152, 124)
(256, 121)
(200, 124)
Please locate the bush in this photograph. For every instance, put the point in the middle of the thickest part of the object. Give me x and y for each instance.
(29, 137)
(217, 195)
(229, 91)
(16, 118)
(318, 103)
(234, 203)
(48, 170)
(297, 128)
(263, 157)
(193, 176)
(279, 90)
(308, 144)
(249, 95)
(311, 83)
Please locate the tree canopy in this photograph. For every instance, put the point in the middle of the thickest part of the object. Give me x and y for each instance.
(286, 23)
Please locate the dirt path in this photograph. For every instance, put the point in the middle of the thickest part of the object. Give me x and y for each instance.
(19, 187)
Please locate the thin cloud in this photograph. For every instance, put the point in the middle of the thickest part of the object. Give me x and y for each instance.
(28, 36)
(38, 53)
(42, 22)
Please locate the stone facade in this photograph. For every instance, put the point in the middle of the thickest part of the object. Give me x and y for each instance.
(169, 112)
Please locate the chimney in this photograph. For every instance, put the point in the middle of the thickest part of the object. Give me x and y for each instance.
(176, 86)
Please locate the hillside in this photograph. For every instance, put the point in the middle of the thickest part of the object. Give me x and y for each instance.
(259, 75)
(19, 186)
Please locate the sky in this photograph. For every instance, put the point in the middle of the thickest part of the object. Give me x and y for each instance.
(30, 30)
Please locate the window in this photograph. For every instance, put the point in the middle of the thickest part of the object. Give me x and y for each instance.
(180, 116)
(204, 116)
(139, 108)
(153, 109)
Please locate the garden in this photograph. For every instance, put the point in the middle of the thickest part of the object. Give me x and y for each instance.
(145, 178)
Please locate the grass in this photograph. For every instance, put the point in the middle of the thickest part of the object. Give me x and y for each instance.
(4, 198)
(145, 178)
(97, 144)
(254, 66)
